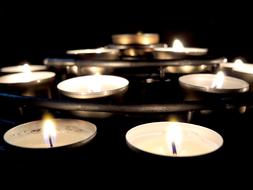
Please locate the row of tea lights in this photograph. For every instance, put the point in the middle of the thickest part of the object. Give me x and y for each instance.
(173, 139)
(94, 86)
(162, 138)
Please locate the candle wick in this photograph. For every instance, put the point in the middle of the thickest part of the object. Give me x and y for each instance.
(50, 141)
(174, 149)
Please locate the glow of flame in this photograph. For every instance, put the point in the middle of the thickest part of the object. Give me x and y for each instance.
(174, 135)
(95, 85)
(48, 129)
(238, 63)
(240, 66)
(26, 68)
(178, 46)
(27, 72)
(218, 80)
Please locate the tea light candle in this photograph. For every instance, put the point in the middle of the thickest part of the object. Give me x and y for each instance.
(92, 86)
(241, 67)
(50, 133)
(100, 53)
(23, 68)
(92, 51)
(179, 48)
(174, 139)
(214, 83)
(26, 78)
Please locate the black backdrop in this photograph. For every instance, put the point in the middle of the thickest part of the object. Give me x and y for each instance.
(32, 32)
(35, 32)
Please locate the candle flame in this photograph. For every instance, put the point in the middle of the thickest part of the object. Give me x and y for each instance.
(238, 61)
(178, 46)
(95, 84)
(218, 80)
(49, 131)
(240, 66)
(26, 68)
(174, 137)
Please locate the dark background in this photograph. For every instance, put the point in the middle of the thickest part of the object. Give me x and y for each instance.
(35, 31)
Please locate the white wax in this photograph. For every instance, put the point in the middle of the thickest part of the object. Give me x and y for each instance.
(203, 82)
(92, 51)
(92, 86)
(68, 132)
(23, 78)
(243, 68)
(185, 50)
(20, 68)
(194, 141)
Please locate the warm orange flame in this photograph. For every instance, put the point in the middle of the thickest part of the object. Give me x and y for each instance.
(218, 80)
(174, 136)
(49, 131)
(178, 46)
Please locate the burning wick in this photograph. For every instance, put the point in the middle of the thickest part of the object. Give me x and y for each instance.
(218, 80)
(174, 138)
(50, 141)
(174, 149)
(49, 131)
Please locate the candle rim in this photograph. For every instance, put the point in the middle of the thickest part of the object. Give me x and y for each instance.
(166, 123)
(90, 127)
(187, 50)
(50, 76)
(88, 95)
(183, 80)
(95, 51)
(32, 67)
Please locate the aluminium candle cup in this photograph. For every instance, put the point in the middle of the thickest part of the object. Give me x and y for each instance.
(135, 51)
(187, 69)
(93, 86)
(243, 71)
(167, 53)
(20, 68)
(98, 53)
(152, 139)
(138, 38)
(70, 133)
(199, 87)
(28, 83)
(203, 83)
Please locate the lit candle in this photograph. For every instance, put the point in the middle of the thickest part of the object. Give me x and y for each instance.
(22, 68)
(92, 86)
(241, 67)
(179, 49)
(214, 83)
(174, 139)
(50, 133)
(26, 77)
(91, 51)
